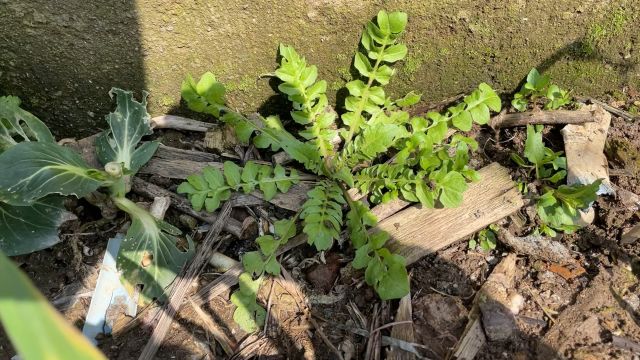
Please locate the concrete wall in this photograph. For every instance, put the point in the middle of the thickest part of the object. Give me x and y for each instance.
(62, 57)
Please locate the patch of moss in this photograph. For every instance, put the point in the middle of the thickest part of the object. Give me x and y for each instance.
(412, 63)
(247, 83)
(599, 32)
(336, 85)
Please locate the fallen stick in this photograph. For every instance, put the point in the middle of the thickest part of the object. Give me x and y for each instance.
(537, 246)
(416, 231)
(615, 111)
(180, 123)
(544, 117)
(183, 283)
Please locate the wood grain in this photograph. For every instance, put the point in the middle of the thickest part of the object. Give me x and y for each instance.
(417, 231)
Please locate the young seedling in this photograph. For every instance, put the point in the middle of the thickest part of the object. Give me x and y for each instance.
(557, 206)
(376, 147)
(486, 238)
(540, 87)
(38, 173)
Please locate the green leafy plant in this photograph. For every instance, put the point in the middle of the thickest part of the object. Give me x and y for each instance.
(557, 206)
(373, 145)
(539, 86)
(34, 327)
(37, 173)
(485, 238)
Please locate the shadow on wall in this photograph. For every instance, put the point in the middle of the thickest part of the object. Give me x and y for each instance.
(97, 46)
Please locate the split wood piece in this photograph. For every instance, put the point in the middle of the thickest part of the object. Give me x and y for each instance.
(183, 283)
(537, 246)
(180, 123)
(584, 149)
(615, 111)
(150, 190)
(171, 153)
(490, 306)
(180, 169)
(383, 211)
(403, 331)
(494, 300)
(416, 231)
(543, 117)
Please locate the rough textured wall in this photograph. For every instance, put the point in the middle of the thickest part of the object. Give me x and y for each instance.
(62, 57)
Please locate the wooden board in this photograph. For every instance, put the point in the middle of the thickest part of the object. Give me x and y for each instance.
(416, 231)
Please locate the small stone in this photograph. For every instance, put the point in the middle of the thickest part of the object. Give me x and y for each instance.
(323, 276)
(87, 251)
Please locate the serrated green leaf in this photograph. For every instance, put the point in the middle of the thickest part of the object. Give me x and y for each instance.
(394, 284)
(253, 262)
(394, 53)
(362, 258)
(374, 272)
(248, 314)
(362, 64)
(272, 266)
(452, 188)
(232, 173)
(397, 21)
(269, 189)
(463, 121)
(206, 96)
(383, 74)
(410, 99)
(33, 170)
(322, 215)
(268, 244)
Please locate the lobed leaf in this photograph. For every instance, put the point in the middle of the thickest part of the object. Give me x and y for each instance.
(18, 125)
(127, 125)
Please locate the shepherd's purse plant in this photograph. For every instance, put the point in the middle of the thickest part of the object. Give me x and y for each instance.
(370, 144)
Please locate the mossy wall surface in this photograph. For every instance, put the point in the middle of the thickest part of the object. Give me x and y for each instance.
(62, 57)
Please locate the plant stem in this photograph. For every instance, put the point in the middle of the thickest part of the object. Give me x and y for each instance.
(365, 93)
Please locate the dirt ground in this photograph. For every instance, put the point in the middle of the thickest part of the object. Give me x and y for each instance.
(590, 314)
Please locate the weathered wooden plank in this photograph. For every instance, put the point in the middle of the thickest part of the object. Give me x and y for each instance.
(416, 231)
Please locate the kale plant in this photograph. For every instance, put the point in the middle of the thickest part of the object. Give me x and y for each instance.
(374, 146)
(38, 173)
(557, 206)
